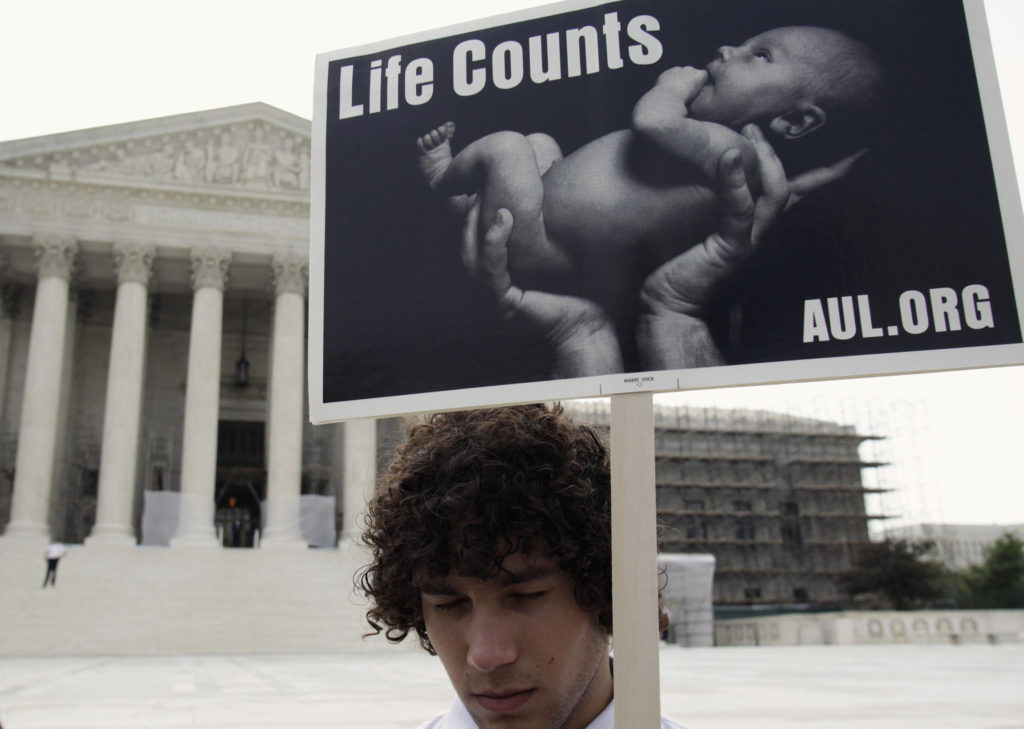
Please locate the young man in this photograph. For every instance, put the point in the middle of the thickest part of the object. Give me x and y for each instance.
(491, 540)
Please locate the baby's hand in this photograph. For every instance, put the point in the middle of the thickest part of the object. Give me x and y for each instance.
(686, 81)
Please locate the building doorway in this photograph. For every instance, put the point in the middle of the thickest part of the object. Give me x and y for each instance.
(241, 481)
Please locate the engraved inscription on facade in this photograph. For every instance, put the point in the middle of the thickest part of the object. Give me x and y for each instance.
(78, 207)
(117, 211)
(213, 220)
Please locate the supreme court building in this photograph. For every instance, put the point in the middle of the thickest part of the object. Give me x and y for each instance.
(153, 338)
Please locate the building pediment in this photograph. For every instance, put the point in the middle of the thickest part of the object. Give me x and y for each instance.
(253, 148)
(235, 178)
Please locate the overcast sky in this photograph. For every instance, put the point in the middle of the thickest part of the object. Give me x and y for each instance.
(955, 437)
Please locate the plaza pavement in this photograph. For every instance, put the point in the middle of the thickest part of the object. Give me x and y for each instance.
(827, 687)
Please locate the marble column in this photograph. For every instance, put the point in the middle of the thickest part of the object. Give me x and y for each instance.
(359, 441)
(133, 264)
(202, 400)
(284, 441)
(37, 433)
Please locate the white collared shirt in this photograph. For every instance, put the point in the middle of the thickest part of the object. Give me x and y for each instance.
(458, 718)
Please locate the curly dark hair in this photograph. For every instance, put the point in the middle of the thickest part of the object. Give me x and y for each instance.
(470, 488)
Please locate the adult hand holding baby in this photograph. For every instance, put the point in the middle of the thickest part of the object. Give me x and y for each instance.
(672, 331)
(577, 329)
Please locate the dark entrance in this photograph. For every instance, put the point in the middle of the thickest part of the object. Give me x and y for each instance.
(241, 481)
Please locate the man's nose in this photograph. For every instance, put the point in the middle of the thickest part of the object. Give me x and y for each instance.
(492, 641)
(726, 52)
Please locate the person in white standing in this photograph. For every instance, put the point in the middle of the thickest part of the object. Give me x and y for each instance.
(54, 552)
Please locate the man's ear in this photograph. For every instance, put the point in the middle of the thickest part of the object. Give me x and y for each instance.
(799, 121)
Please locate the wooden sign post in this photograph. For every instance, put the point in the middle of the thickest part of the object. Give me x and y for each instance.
(634, 563)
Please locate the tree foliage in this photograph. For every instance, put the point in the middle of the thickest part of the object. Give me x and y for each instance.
(998, 582)
(897, 572)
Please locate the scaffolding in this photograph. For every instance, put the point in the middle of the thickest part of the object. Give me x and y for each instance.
(782, 501)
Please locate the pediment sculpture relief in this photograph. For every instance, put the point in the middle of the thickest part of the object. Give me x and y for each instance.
(253, 155)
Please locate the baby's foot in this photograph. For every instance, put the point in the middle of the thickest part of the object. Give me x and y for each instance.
(435, 153)
(435, 156)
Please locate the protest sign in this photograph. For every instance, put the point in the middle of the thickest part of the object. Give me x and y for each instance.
(905, 260)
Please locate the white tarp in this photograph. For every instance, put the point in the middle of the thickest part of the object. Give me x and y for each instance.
(160, 511)
(687, 597)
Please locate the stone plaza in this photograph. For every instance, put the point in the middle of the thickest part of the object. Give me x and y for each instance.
(973, 686)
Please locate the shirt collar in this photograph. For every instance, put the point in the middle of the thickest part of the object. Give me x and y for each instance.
(459, 718)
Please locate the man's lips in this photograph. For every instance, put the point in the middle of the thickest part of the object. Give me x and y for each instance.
(503, 701)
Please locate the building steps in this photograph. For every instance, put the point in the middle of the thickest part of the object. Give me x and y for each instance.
(181, 600)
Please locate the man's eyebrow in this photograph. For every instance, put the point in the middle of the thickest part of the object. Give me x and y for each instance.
(438, 587)
(505, 579)
(527, 575)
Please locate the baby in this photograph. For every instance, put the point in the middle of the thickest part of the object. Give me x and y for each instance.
(623, 204)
